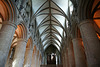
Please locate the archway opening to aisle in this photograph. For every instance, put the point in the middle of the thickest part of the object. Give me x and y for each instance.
(52, 55)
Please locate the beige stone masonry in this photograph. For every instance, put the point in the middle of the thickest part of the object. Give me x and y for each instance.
(19, 53)
(91, 43)
(6, 35)
(80, 59)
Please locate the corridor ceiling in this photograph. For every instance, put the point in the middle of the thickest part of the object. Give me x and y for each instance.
(52, 19)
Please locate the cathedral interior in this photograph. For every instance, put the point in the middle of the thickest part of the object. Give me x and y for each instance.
(49, 33)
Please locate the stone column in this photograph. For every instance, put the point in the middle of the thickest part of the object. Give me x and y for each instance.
(19, 53)
(80, 59)
(33, 60)
(6, 35)
(63, 57)
(28, 57)
(59, 59)
(39, 63)
(37, 60)
(71, 55)
(91, 43)
(42, 61)
(65, 61)
(66, 58)
(45, 59)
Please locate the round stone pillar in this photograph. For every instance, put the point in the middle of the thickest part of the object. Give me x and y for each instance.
(19, 53)
(45, 59)
(33, 60)
(66, 58)
(34, 64)
(38, 62)
(91, 43)
(37, 59)
(71, 55)
(6, 35)
(63, 57)
(28, 57)
(80, 59)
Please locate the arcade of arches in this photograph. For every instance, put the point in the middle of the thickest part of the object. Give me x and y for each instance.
(49, 33)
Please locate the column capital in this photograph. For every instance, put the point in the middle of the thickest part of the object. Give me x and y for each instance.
(9, 23)
(85, 22)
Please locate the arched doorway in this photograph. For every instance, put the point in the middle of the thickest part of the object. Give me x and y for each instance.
(52, 55)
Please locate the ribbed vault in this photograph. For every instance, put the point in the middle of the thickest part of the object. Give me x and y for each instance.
(52, 17)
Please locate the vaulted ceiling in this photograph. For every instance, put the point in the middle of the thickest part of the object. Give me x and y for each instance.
(52, 18)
